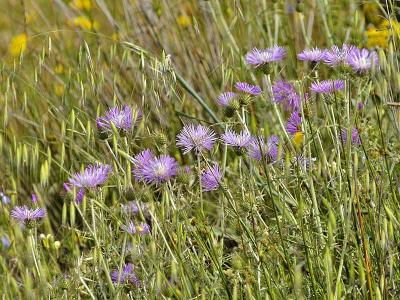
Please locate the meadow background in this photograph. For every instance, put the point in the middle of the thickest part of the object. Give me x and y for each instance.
(325, 228)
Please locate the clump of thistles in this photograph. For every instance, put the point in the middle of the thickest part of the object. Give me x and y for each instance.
(122, 118)
(285, 93)
(27, 216)
(126, 275)
(240, 141)
(258, 149)
(312, 55)
(261, 58)
(327, 86)
(153, 169)
(195, 138)
(211, 178)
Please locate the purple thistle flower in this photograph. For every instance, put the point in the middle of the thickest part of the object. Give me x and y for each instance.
(225, 98)
(246, 88)
(261, 57)
(139, 162)
(160, 169)
(285, 93)
(127, 275)
(294, 123)
(241, 140)
(362, 60)
(24, 214)
(92, 176)
(355, 136)
(327, 86)
(313, 55)
(211, 178)
(122, 118)
(140, 229)
(34, 198)
(79, 194)
(197, 138)
(336, 56)
(258, 148)
(360, 105)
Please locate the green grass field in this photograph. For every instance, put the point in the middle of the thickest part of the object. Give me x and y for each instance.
(294, 208)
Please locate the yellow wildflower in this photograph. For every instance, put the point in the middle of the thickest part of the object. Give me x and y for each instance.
(59, 69)
(377, 37)
(18, 44)
(82, 4)
(59, 89)
(85, 23)
(184, 21)
(298, 138)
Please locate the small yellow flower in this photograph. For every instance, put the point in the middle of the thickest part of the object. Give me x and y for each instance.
(298, 138)
(377, 37)
(82, 4)
(59, 69)
(59, 89)
(184, 21)
(85, 23)
(18, 44)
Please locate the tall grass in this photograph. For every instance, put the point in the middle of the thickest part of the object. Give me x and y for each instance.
(272, 231)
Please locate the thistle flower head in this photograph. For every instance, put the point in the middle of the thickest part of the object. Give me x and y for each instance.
(355, 137)
(338, 56)
(126, 275)
(26, 215)
(327, 86)
(259, 57)
(362, 60)
(160, 169)
(92, 176)
(238, 140)
(122, 118)
(197, 138)
(140, 229)
(294, 123)
(141, 160)
(313, 55)
(226, 98)
(244, 87)
(284, 92)
(258, 148)
(211, 178)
